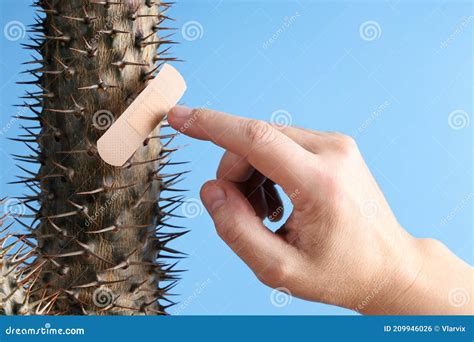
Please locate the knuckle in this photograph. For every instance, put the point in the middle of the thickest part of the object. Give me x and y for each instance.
(276, 274)
(259, 132)
(431, 245)
(346, 145)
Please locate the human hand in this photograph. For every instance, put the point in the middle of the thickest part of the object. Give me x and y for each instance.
(341, 245)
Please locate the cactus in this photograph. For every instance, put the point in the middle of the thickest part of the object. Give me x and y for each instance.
(12, 297)
(97, 240)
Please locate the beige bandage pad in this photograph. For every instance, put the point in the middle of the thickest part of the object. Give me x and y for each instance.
(127, 134)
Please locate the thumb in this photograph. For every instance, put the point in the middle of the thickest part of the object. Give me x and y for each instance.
(236, 222)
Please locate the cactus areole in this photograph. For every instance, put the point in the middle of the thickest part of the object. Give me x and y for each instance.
(95, 243)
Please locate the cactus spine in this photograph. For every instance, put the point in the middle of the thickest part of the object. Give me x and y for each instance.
(95, 242)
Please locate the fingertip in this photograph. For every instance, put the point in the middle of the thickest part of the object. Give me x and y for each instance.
(235, 201)
(207, 186)
(213, 195)
(178, 116)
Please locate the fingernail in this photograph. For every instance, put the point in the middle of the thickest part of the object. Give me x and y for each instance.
(181, 112)
(214, 198)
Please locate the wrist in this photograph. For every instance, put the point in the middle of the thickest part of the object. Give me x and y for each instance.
(430, 280)
(399, 273)
(444, 285)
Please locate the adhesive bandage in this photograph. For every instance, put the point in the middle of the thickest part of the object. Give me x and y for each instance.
(127, 134)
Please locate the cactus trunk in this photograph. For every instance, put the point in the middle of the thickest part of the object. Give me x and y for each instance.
(96, 234)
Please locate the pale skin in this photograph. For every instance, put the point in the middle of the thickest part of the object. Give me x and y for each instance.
(342, 244)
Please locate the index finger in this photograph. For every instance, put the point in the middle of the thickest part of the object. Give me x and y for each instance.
(269, 151)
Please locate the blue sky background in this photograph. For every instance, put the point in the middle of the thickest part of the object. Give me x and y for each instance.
(404, 92)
